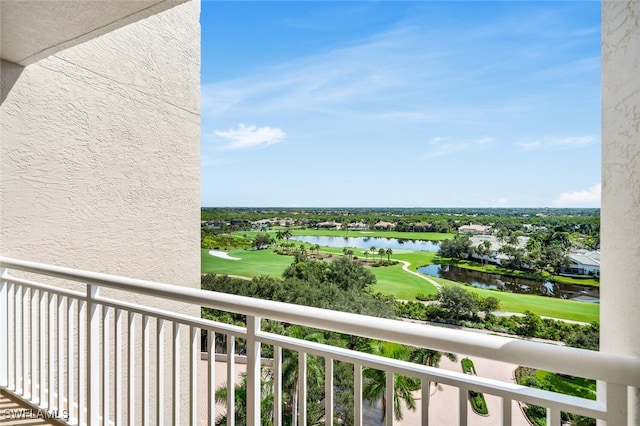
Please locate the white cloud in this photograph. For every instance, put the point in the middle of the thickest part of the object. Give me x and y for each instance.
(245, 137)
(440, 146)
(585, 197)
(529, 146)
(569, 142)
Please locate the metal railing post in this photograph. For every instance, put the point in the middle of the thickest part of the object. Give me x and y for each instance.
(253, 371)
(93, 356)
(4, 329)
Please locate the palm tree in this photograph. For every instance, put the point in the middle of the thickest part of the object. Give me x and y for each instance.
(287, 234)
(240, 398)
(317, 249)
(487, 249)
(374, 387)
(389, 252)
(290, 369)
(381, 252)
(348, 252)
(373, 250)
(484, 250)
(430, 357)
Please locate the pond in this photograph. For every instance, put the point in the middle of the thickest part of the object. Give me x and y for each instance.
(368, 242)
(513, 285)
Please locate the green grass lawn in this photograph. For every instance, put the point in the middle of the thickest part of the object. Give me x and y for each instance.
(575, 386)
(541, 305)
(253, 263)
(396, 282)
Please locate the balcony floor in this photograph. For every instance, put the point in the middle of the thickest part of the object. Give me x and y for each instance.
(11, 408)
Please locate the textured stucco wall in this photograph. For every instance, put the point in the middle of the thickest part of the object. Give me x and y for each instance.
(620, 266)
(100, 157)
(100, 153)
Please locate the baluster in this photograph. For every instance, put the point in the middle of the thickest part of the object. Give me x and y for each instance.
(211, 377)
(328, 391)
(159, 371)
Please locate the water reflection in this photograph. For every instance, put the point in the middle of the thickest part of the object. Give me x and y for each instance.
(513, 285)
(368, 242)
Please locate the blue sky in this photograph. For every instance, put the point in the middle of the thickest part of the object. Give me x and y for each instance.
(401, 104)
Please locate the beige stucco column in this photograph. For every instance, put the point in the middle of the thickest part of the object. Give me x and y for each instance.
(620, 277)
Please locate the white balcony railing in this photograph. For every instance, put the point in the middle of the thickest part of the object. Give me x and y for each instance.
(65, 351)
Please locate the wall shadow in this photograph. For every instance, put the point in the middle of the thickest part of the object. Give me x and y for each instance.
(9, 74)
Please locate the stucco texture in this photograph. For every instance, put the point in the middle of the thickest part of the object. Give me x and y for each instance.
(620, 223)
(100, 164)
(100, 153)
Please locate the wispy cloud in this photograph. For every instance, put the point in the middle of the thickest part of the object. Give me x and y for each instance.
(570, 142)
(244, 137)
(441, 146)
(585, 197)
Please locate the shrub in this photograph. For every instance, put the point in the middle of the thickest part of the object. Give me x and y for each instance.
(426, 297)
(478, 403)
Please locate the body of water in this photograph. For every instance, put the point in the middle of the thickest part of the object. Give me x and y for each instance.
(368, 242)
(513, 285)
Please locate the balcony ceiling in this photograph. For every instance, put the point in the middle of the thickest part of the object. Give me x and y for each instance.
(34, 29)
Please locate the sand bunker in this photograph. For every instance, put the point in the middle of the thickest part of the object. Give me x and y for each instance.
(222, 255)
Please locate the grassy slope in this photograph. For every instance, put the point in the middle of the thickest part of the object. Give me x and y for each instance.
(391, 280)
(541, 305)
(577, 386)
(396, 282)
(254, 263)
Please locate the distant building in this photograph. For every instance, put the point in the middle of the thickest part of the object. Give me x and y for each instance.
(358, 226)
(474, 229)
(495, 256)
(582, 262)
(329, 225)
(213, 224)
(384, 225)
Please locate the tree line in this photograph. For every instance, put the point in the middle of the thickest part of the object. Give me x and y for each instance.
(345, 285)
(341, 284)
(543, 252)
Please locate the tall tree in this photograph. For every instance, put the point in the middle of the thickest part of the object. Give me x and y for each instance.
(375, 384)
(291, 368)
(483, 250)
(457, 300)
(240, 403)
(430, 357)
(389, 252)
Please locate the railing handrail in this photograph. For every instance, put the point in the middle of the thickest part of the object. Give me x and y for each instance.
(610, 367)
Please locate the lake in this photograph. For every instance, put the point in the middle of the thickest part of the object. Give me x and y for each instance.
(368, 242)
(513, 285)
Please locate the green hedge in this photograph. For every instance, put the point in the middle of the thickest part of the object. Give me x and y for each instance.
(478, 403)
